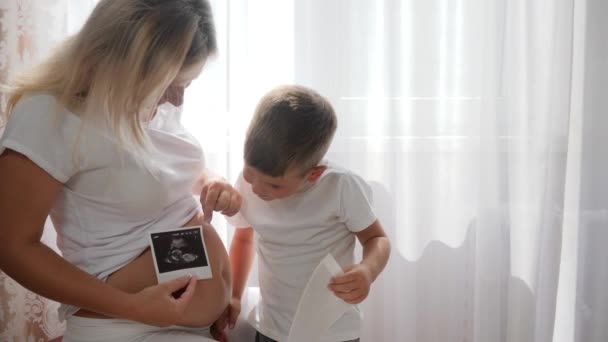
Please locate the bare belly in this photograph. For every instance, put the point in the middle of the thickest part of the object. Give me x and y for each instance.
(211, 295)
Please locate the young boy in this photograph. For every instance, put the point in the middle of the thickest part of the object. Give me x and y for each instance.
(301, 208)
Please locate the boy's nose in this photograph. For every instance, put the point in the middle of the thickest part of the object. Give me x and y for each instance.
(255, 186)
(257, 189)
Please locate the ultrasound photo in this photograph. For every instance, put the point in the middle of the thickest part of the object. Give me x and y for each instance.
(180, 252)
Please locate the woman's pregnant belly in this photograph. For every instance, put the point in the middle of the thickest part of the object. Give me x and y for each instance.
(211, 295)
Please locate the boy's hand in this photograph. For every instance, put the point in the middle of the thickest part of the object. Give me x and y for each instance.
(217, 195)
(217, 334)
(229, 316)
(352, 286)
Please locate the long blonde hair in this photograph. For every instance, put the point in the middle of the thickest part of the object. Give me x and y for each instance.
(116, 68)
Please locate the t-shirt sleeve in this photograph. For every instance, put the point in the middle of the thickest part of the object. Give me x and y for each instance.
(356, 210)
(238, 220)
(39, 130)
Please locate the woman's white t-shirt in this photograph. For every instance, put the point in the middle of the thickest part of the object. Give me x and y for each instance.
(109, 202)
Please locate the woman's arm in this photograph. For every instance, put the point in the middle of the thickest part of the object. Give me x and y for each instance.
(242, 253)
(27, 196)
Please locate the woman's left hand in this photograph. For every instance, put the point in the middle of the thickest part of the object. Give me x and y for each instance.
(217, 195)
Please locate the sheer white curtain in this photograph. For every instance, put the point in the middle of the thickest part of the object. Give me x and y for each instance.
(585, 305)
(28, 30)
(467, 117)
(479, 123)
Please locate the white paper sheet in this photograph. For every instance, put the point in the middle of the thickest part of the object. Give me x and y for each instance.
(318, 308)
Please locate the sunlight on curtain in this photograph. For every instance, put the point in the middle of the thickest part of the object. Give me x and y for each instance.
(256, 53)
(458, 113)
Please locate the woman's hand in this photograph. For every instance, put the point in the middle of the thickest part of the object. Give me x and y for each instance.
(217, 195)
(155, 305)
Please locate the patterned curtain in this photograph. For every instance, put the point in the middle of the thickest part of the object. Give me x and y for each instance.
(28, 30)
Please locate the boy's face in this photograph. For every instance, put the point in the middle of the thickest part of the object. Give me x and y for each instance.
(270, 188)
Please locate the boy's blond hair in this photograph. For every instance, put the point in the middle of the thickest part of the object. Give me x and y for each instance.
(293, 126)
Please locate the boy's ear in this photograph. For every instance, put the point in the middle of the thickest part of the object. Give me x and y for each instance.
(316, 172)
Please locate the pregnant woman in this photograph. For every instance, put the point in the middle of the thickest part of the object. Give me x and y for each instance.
(87, 144)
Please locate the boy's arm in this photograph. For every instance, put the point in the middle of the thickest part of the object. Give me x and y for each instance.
(241, 256)
(376, 248)
(353, 286)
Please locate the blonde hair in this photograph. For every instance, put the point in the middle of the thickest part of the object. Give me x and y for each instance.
(293, 126)
(116, 68)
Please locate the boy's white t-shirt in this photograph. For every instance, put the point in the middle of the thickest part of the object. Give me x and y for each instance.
(109, 203)
(293, 235)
